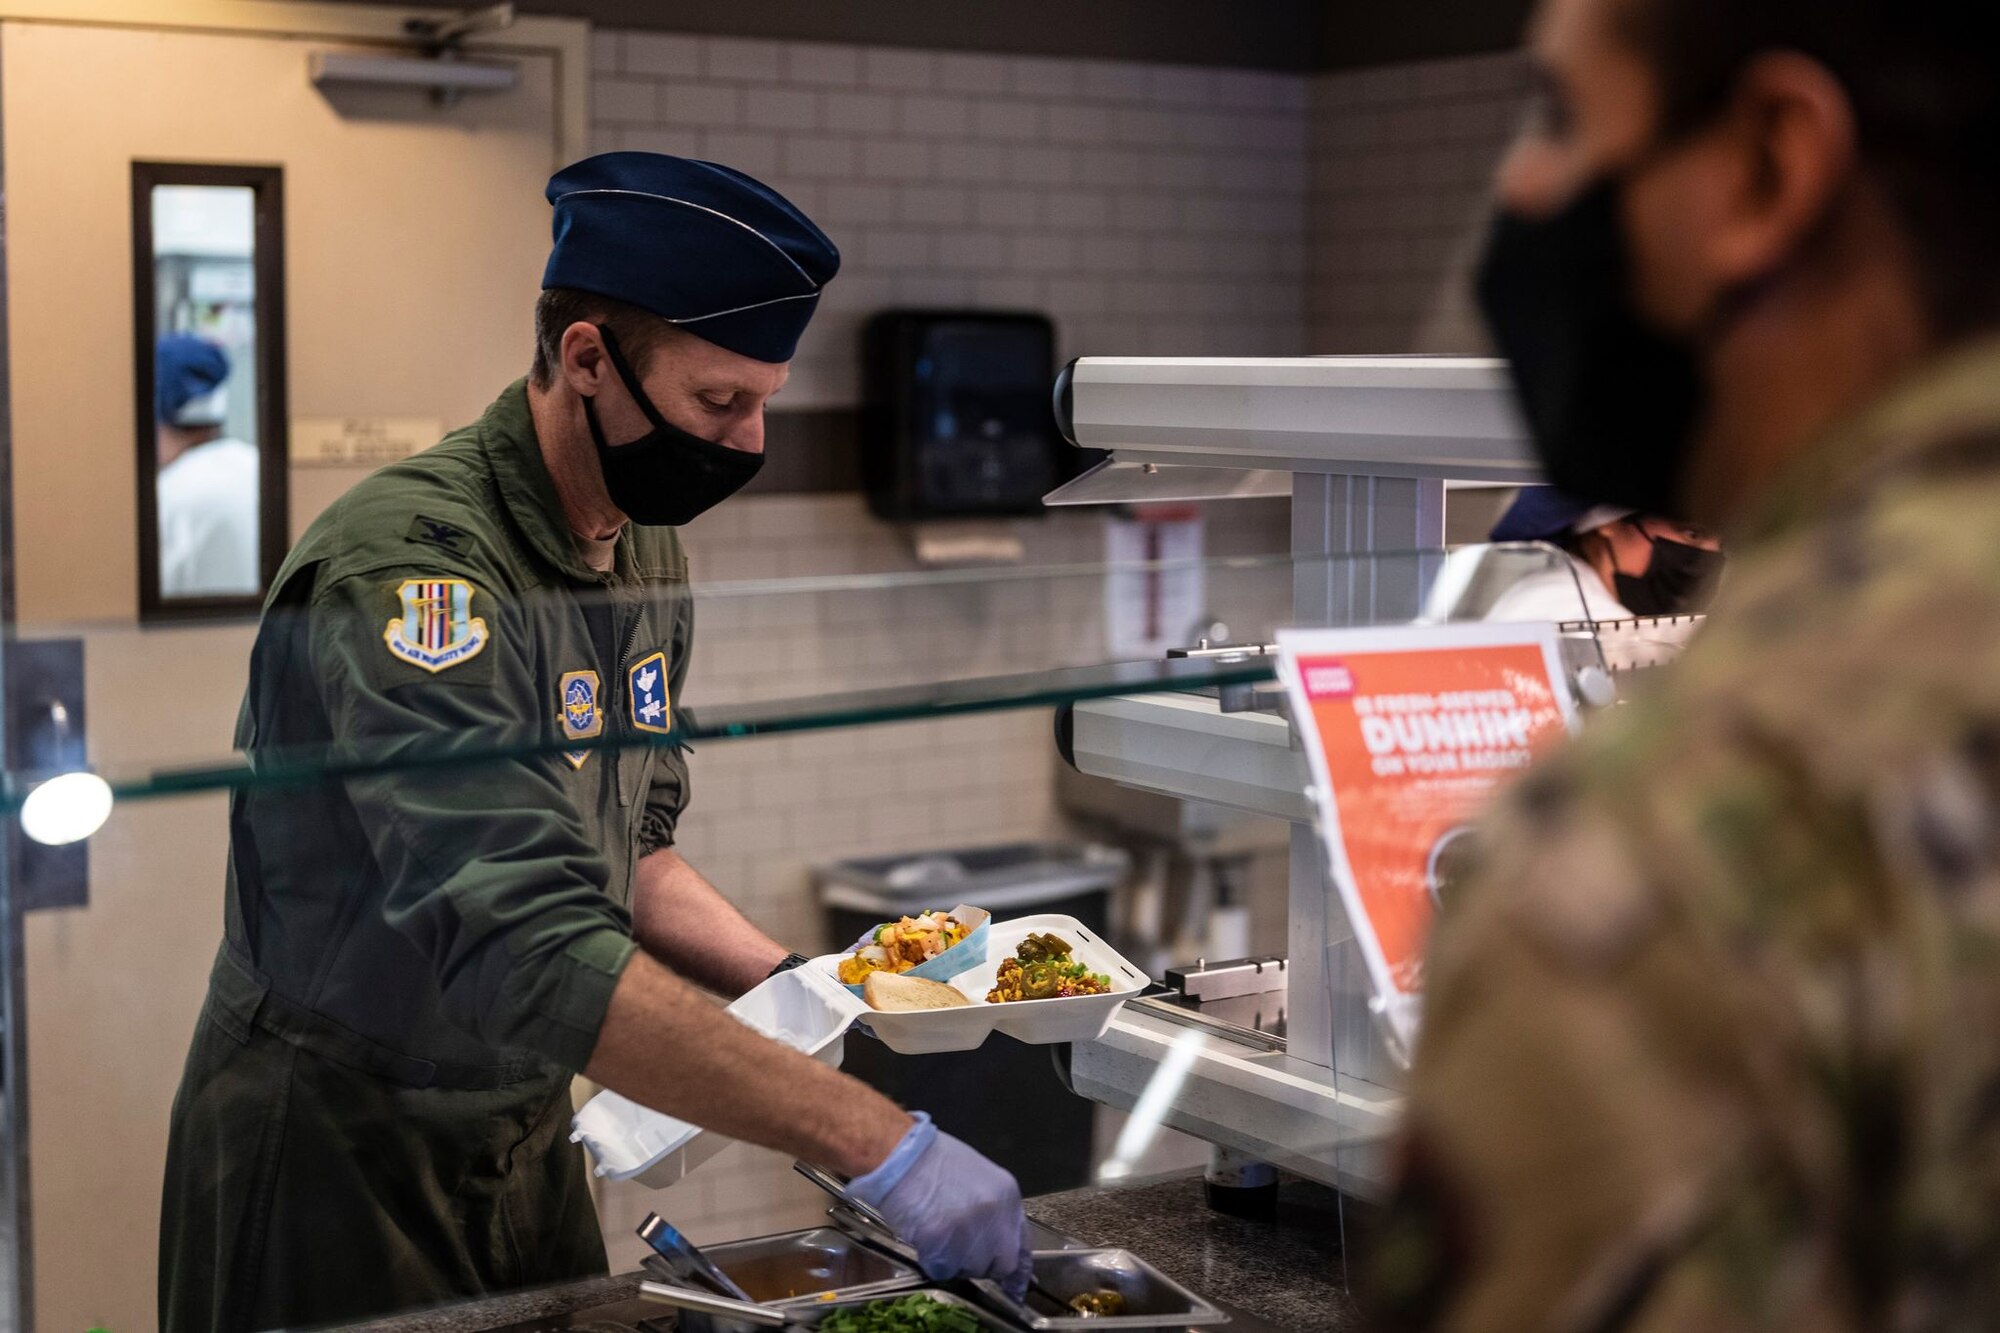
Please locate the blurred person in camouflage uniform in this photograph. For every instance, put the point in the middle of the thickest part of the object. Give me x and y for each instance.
(1713, 1034)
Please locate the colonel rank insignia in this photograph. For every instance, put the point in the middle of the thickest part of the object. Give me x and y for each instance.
(437, 630)
(581, 717)
(652, 710)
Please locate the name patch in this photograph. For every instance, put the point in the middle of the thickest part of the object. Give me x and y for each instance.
(437, 532)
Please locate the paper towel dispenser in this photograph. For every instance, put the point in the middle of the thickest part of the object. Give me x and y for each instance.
(956, 419)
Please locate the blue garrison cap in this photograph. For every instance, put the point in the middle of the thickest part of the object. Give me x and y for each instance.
(188, 373)
(704, 247)
(1543, 513)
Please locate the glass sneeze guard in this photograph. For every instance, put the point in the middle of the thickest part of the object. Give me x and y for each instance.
(776, 656)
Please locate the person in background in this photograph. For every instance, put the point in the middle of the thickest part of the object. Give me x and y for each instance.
(208, 483)
(1711, 1038)
(1621, 563)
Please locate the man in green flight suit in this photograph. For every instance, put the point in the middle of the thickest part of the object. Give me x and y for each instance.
(416, 962)
(1712, 1034)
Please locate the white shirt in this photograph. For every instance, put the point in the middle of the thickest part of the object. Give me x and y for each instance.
(1551, 594)
(208, 521)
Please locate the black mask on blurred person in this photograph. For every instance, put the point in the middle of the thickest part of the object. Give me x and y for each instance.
(666, 476)
(1611, 402)
(1679, 580)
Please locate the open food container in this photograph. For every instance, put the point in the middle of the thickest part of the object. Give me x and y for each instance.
(805, 1010)
(967, 954)
(1036, 1022)
(815, 1265)
(1147, 1297)
(810, 1009)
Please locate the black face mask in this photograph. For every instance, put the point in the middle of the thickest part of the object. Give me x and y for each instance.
(1611, 402)
(1679, 580)
(666, 476)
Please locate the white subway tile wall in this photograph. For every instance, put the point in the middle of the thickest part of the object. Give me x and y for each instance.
(1402, 163)
(949, 179)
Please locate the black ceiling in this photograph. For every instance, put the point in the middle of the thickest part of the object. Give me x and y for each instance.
(1261, 34)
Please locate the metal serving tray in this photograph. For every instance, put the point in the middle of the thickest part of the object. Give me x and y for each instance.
(811, 1267)
(1152, 1299)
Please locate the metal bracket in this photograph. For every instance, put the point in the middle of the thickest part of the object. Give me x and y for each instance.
(441, 36)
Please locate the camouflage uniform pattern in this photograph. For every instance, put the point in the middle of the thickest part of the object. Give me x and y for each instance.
(1712, 1038)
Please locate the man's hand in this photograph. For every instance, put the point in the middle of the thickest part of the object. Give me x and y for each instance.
(961, 1211)
(665, 1046)
(681, 919)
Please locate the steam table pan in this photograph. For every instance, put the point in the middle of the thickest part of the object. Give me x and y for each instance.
(1152, 1299)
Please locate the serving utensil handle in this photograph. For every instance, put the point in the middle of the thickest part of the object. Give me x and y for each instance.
(688, 1299)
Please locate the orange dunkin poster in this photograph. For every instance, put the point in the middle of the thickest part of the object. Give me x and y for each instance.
(1408, 731)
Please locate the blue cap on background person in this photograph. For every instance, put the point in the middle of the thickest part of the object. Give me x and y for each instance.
(704, 247)
(1543, 514)
(188, 378)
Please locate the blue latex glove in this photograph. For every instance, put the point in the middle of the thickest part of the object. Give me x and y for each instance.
(960, 1211)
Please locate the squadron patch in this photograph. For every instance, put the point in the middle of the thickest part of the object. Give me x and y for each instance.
(581, 716)
(437, 630)
(652, 709)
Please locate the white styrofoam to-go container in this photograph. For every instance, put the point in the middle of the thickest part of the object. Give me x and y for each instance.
(810, 1010)
(802, 1008)
(1036, 1022)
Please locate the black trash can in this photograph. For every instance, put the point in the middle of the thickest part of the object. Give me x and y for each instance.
(1005, 1098)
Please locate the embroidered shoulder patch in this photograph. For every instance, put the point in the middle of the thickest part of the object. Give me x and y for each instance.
(581, 716)
(436, 630)
(652, 708)
(437, 532)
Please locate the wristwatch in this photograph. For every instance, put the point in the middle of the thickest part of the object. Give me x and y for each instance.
(790, 961)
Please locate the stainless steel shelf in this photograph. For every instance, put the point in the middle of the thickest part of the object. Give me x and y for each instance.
(1184, 745)
(1393, 416)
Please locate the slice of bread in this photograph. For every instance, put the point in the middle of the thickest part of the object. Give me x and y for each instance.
(888, 991)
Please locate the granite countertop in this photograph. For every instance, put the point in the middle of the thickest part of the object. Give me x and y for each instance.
(1286, 1271)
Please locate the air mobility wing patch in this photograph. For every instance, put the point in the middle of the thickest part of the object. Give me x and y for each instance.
(652, 708)
(437, 630)
(581, 715)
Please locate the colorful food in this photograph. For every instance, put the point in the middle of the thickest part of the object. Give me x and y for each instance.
(915, 1313)
(1042, 969)
(1103, 1302)
(902, 945)
(896, 994)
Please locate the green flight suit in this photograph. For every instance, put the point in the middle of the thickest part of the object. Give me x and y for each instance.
(374, 1111)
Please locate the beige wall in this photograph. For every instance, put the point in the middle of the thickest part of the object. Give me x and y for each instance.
(415, 239)
(389, 204)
